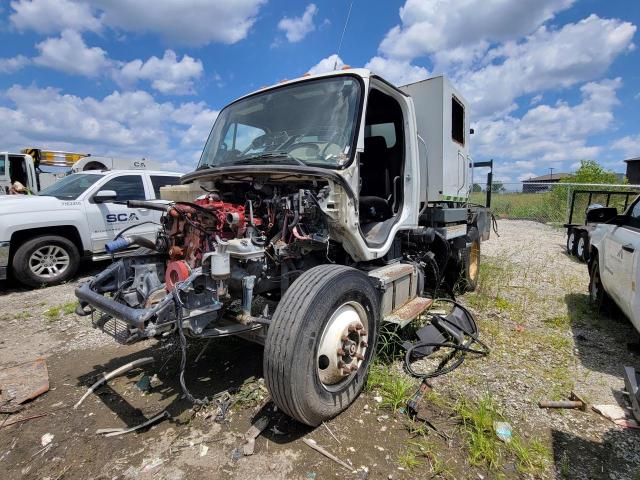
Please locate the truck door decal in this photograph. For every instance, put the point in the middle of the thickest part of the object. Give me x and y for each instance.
(121, 217)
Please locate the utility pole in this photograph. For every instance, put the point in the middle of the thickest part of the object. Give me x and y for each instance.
(551, 173)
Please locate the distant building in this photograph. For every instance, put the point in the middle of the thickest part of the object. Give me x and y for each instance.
(633, 170)
(532, 185)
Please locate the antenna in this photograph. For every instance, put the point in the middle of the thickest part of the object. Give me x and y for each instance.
(346, 22)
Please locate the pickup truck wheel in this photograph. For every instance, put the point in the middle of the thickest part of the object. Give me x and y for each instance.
(582, 247)
(320, 342)
(45, 260)
(571, 242)
(597, 294)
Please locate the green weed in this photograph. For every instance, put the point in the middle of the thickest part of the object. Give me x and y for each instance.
(69, 307)
(394, 387)
(52, 314)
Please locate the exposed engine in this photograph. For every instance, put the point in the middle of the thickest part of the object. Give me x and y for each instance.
(212, 258)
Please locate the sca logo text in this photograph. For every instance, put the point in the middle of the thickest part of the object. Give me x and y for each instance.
(121, 217)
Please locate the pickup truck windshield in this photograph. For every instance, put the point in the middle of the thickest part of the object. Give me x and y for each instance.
(308, 123)
(70, 187)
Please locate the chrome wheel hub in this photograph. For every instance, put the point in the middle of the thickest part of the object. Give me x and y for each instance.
(49, 261)
(343, 344)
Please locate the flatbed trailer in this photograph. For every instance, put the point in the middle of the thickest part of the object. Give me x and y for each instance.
(594, 213)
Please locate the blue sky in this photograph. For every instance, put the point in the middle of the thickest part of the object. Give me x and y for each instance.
(550, 81)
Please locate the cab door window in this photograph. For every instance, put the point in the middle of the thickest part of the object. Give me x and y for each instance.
(128, 187)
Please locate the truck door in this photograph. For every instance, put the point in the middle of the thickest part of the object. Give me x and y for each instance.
(107, 219)
(620, 272)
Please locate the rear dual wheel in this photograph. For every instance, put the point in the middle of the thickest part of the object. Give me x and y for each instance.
(321, 342)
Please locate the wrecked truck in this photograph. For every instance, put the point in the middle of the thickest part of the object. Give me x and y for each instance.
(320, 208)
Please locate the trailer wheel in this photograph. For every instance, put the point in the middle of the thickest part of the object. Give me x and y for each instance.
(321, 342)
(597, 294)
(582, 247)
(45, 260)
(571, 241)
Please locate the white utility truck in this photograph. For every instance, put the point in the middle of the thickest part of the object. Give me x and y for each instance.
(614, 260)
(26, 167)
(320, 208)
(43, 237)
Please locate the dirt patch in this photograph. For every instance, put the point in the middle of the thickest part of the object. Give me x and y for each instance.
(532, 310)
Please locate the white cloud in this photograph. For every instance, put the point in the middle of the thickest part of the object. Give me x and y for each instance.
(629, 145)
(166, 74)
(328, 64)
(398, 72)
(68, 53)
(297, 28)
(550, 135)
(13, 64)
(190, 22)
(52, 16)
(547, 59)
(129, 124)
(430, 26)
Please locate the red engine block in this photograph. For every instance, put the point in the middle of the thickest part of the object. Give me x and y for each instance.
(232, 221)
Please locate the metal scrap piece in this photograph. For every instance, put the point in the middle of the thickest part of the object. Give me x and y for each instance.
(21, 383)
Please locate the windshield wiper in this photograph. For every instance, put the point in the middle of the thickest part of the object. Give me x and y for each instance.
(269, 155)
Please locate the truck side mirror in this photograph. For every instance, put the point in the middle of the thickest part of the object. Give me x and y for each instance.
(104, 196)
(471, 131)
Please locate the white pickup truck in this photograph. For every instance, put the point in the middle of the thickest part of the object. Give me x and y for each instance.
(614, 265)
(43, 237)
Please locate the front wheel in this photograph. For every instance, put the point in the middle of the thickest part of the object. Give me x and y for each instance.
(597, 294)
(321, 342)
(45, 260)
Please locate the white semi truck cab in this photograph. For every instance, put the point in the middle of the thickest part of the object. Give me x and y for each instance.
(340, 200)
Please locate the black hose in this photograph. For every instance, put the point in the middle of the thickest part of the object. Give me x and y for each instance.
(119, 234)
(445, 366)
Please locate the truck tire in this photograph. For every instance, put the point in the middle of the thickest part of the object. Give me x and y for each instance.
(45, 260)
(571, 241)
(470, 267)
(582, 247)
(320, 342)
(598, 296)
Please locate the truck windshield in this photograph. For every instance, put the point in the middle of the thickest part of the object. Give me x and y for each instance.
(308, 123)
(70, 187)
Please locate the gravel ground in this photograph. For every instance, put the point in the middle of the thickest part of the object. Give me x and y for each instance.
(532, 310)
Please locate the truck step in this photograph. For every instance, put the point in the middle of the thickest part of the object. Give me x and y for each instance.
(409, 311)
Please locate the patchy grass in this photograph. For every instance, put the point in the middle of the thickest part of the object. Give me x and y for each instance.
(560, 322)
(23, 315)
(395, 388)
(52, 314)
(409, 460)
(69, 307)
(484, 447)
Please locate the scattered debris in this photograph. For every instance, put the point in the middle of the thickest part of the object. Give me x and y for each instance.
(144, 384)
(312, 443)
(113, 432)
(154, 381)
(377, 399)
(574, 402)
(21, 383)
(254, 431)
(310, 475)
(115, 373)
(503, 431)
(331, 433)
(24, 419)
(617, 414)
(46, 439)
(203, 449)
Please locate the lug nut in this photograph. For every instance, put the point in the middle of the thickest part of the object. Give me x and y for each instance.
(363, 333)
(364, 344)
(340, 352)
(344, 338)
(341, 364)
(351, 328)
(359, 327)
(354, 368)
(359, 356)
